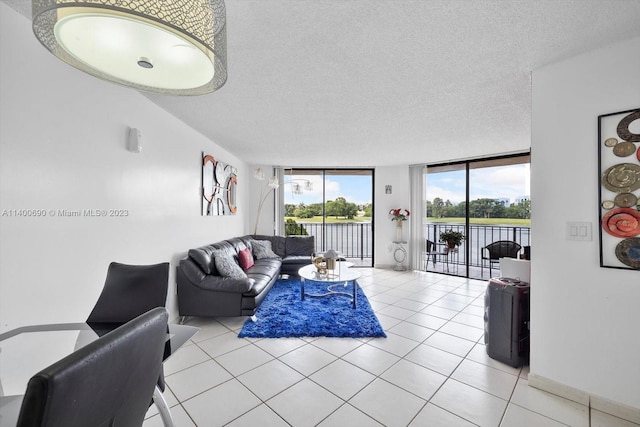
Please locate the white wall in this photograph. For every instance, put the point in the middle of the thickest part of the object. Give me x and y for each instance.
(584, 319)
(385, 229)
(62, 146)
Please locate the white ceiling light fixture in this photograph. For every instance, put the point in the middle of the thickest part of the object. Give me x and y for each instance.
(298, 185)
(176, 47)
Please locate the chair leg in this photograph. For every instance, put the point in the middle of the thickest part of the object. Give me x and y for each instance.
(163, 408)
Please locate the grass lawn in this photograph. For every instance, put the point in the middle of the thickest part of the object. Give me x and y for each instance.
(474, 221)
(484, 221)
(331, 219)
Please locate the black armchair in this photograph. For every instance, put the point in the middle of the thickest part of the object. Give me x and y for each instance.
(108, 382)
(496, 250)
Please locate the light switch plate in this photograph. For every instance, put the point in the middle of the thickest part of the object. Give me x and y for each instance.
(580, 231)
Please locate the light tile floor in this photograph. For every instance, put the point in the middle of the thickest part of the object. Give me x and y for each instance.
(431, 370)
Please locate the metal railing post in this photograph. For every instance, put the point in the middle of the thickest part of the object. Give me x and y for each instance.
(361, 242)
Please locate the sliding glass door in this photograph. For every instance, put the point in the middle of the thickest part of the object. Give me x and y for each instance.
(446, 196)
(335, 206)
(485, 200)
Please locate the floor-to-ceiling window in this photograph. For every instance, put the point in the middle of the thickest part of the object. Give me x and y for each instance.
(485, 200)
(335, 206)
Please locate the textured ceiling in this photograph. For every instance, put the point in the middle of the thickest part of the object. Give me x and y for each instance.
(388, 82)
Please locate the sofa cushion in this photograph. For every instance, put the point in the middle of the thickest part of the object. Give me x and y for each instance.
(266, 267)
(245, 259)
(300, 245)
(260, 282)
(227, 265)
(277, 243)
(226, 284)
(262, 249)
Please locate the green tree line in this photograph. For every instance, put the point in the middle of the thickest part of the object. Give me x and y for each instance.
(438, 208)
(338, 208)
(479, 208)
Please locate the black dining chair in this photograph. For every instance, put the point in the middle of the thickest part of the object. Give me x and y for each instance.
(108, 382)
(129, 291)
(496, 250)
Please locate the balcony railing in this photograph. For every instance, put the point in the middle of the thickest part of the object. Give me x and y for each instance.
(355, 240)
(479, 236)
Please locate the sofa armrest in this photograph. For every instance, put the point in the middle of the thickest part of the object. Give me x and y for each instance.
(191, 270)
(211, 282)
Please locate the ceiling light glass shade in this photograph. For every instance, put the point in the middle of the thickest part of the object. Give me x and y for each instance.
(296, 189)
(175, 47)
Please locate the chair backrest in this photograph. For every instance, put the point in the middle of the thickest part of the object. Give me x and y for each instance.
(129, 291)
(430, 245)
(109, 382)
(503, 249)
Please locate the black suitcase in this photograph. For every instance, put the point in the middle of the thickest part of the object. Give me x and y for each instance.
(506, 321)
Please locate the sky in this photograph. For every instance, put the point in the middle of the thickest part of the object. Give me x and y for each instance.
(355, 189)
(495, 182)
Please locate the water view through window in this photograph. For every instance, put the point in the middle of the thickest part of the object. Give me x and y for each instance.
(335, 206)
(486, 201)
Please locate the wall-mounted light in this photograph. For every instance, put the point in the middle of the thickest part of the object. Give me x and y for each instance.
(175, 47)
(134, 143)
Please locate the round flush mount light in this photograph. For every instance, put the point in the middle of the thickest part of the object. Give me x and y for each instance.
(173, 47)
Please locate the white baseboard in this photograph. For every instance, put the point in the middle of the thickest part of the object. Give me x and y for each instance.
(617, 409)
(601, 404)
(384, 266)
(562, 390)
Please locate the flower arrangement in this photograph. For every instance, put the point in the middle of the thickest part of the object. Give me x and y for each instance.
(264, 192)
(399, 214)
(453, 238)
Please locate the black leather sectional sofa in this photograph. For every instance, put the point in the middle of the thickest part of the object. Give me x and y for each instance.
(203, 290)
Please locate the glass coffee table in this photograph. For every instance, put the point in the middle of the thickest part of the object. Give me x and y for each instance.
(340, 277)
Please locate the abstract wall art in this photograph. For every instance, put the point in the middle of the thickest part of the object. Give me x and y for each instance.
(219, 182)
(619, 189)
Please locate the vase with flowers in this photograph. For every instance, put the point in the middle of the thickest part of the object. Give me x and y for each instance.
(265, 190)
(399, 215)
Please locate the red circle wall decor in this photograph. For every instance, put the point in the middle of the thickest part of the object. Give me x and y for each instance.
(622, 222)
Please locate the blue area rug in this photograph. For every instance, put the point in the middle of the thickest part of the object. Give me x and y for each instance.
(283, 314)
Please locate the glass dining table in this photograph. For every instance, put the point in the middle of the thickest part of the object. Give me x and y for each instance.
(27, 350)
